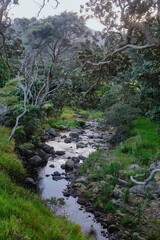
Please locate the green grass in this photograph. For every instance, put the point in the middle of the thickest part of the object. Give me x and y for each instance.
(144, 145)
(72, 118)
(23, 215)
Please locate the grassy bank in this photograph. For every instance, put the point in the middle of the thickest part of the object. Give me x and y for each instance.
(72, 117)
(109, 181)
(22, 214)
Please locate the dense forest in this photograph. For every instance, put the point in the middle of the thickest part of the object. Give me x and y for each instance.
(56, 72)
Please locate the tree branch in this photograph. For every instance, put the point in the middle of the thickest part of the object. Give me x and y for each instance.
(141, 175)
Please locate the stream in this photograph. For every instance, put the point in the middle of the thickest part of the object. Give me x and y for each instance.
(53, 181)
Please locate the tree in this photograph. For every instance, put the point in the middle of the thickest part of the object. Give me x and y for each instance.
(48, 58)
(127, 24)
(5, 20)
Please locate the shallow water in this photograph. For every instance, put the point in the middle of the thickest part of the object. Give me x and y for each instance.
(50, 188)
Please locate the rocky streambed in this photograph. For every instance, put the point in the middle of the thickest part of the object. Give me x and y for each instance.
(54, 180)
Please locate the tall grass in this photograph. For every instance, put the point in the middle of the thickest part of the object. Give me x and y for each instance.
(23, 216)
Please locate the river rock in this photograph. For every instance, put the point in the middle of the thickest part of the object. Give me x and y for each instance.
(81, 201)
(63, 166)
(43, 155)
(53, 132)
(35, 161)
(29, 181)
(56, 173)
(48, 149)
(74, 135)
(68, 140)
(26, 150)
(76, 166)
(69, 164)
(81, 145)
(63, 128)
(51, 166)
(56, 178)
(60, 153)
(112, 228)
(75, 160)
(81, 157)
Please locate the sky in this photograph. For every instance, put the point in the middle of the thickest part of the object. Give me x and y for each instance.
(30, 8)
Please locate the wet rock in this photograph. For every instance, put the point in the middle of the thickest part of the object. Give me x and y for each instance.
(81, 201)
(56, 173)
(81, 145)
(74, 135)
(35, 161)
(29, 181)
(76, 166)
(68, 140)
(66, 194)
(69, 164)
(76, 159)
(63, 128)
(41, 153)
(45, 136)
(56, 178)
(64, 136)
(52, 132)
(63, 166)
(112, 228)
(60, 153)
(48, 149)
(70, 177)
(51, 166)
(81, 157)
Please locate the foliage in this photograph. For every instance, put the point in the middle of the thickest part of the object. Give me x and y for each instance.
(4, 72)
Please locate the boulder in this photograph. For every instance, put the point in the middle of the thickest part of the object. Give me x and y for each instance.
(81, 157)
(52, 132)
(81, 145)
(69, 164)
(74, 135)
(26, 150)
(112, 228)
(76, 160)
(56, 173)
(68, 140)
(51, 165)
(81, 201)
(48, 149)
(60, 153)
(35, 161)
(43, 155)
